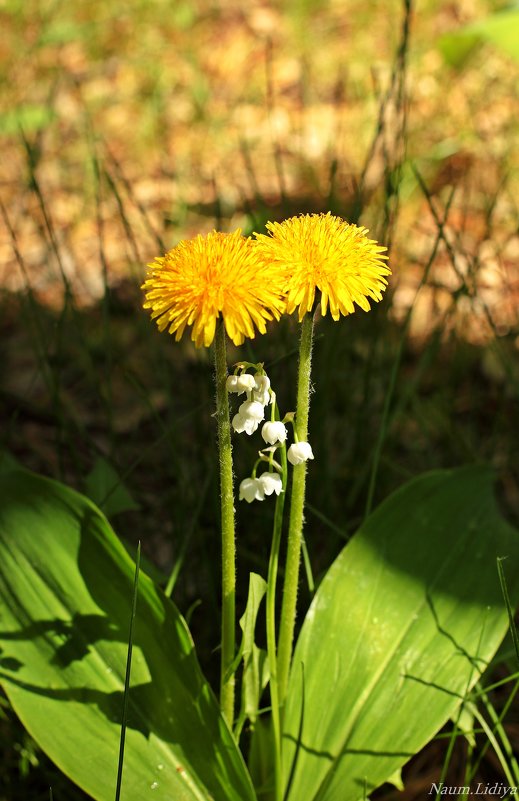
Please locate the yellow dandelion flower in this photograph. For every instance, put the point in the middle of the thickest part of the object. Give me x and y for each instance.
(208, 276)
(320, 252)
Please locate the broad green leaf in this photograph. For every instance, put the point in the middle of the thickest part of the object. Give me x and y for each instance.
(106, 489)
(401, 628)
(500, 29)
(65, 603)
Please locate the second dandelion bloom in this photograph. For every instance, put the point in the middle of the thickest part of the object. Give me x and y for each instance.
(208, 276)
(322, 253)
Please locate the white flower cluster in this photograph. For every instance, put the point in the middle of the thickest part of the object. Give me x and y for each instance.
(252, 411)
(255, 489)
(249, 416)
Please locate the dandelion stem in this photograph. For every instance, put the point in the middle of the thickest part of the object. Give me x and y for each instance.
(271, 628)
(297, 502)
(228, 542)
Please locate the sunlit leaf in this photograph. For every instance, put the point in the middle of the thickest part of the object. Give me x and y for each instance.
(402, 626)
(500, 29)
(65, 595)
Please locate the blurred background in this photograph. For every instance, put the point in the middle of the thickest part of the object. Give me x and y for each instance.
(126, 127)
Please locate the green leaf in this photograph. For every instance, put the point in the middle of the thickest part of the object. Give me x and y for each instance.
(261, 758)
(105, 488)
(401, 628)
(257, 590)
(396, 779)
(254, 680)
(27, 118)
(8, 463)
(254, 658)
(458, 46)
(464, 720)
(65, 595)
(500, 29)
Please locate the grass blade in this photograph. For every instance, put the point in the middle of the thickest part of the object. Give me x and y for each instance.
(509, 609)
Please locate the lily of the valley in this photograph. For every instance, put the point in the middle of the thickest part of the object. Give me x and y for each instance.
(271, 483)
(255, 489)
(240, 383)
(251, 489)
(261, 389)
(300, 452)
(249, 416)
(274, 431)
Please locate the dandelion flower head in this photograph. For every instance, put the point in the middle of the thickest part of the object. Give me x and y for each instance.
(320, 252)
(208, 276)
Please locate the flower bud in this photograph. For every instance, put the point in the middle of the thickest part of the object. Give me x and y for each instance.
(273, 432)
(271, 482)
(300, 452)
(251, 489)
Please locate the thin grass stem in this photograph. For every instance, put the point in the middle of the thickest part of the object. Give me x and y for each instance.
(497, 722)
(509, 607)
(498, 751)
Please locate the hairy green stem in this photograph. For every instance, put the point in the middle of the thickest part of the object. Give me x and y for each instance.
(228, 539)
(271, 629)
(297, 503)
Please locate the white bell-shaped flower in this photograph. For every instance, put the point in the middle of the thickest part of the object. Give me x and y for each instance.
(271, 482)
(240, 383)
(274, 431)
(250, 414)
(241, 423)
(300, 452)
(253, 410)
(231, 385)
(251, 489)
(261, 388)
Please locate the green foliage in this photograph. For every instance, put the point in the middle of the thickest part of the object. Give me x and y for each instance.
(66, 588)
(8, 463)
(106, 489)
(255, 666)
(63, 30)
(500, 30)
(27, 118)
(401, 628)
